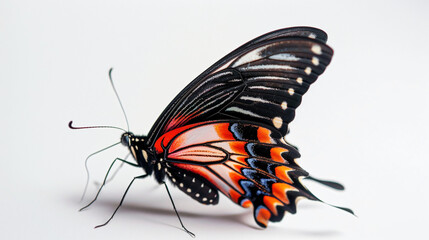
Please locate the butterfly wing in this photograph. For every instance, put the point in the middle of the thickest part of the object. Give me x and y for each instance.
(224, 131)
(248, 163)
(262, 81)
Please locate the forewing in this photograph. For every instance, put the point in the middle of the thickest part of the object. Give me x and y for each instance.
(262, 81)
(249, 164)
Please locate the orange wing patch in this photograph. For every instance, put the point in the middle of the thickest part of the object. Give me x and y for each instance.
(263, 216)
(264, 135)
(280, 189)
(272, 203)
(246, 203)
(223, 131)
(276, 154)
(282, 173)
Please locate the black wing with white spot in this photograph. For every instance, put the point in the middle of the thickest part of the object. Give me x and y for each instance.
(262, 81)
(194, 185)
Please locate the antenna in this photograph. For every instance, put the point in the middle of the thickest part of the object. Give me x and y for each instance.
(88, 127)
(117, 96)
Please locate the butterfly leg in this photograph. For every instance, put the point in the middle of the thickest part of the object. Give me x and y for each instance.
(105, 178)
(86, 166)
(175, 210)
(112, 175)
(122, 200)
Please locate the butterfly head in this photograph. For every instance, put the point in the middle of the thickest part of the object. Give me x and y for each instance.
(126, 138)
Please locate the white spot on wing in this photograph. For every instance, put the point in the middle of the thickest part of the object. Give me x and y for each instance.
(317, 49)
(284, 105)
(315, 61)
(277, 122)
(307, 70)
(188, 190)
(284, 57)
(312, 36)
(299, 80)
(291, 91)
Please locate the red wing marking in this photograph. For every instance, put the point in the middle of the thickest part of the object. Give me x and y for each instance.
(198, 153)
(166, 138)
(174, 122)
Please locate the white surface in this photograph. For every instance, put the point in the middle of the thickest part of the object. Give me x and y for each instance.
(364, 123)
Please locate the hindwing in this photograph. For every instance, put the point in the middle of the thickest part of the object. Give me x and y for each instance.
(249, 164)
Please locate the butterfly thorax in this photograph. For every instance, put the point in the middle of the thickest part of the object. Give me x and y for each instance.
(142, 153)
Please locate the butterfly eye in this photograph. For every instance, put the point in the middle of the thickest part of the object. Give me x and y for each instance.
(126, 139)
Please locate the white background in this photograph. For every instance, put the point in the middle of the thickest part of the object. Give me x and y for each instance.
(364, 123)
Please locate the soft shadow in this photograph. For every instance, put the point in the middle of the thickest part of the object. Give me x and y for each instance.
(244, 218)
(314, 233)
(134, 207)
(127, 207)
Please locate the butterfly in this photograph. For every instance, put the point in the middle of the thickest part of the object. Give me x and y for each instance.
(225, 132)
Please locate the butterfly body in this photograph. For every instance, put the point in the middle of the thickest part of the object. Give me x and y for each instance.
(225, 132)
